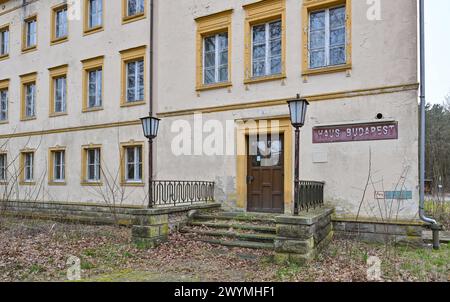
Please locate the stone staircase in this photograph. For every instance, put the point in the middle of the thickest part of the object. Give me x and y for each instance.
(232, 229)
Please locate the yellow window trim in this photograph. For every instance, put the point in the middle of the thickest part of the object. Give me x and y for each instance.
(2, 29)
(26, 79)
(123, 146)
(128, 19)
(56, 72)
(131, 55)
(206, 26)
(51, 152)
(263, 12)
(84, 180)
(26, 49)
(92, 30)
(59, 40)
(312, 5)
(22, 181)
(89, 65)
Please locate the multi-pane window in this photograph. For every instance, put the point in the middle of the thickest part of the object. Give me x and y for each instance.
(215, 59)
(59, 173)
(133, 164)
(93, 165)
(30, 100)
(3, 105)
(60, 94)
(135, 81)
(327, 37)
(30, 33)
(266, 49)
(95, 13)
(95, 88)
(61, 23)
(4, 42)
(3, 166)
(28, 163)
(135, 7)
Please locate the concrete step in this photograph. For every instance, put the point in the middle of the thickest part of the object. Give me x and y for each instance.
(235, 226)
(266, 219)
(239, 244)
(235, 235)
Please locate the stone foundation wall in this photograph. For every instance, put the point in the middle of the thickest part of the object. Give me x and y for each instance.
(300, 238)
(398, 232)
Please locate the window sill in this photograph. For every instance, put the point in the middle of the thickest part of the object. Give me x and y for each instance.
(57, 183)
(132, 104)
(4, 57)
(27, 183)
(59, 40)
(325, 70)
(55, 114)
(214, 86)
(93, 30)
(26, 119)
(132, 184)
(29, 49)
(93, 109)
(129, 19)
(91, 184)
(265, 78)
(4, 122)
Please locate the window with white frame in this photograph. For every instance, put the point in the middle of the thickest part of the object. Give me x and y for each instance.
(31, 33)
(3, 166)
(61, 23)
(59, 172)
(4, 42)
(135, 81)
(327, 37)
(135, 7)
(215, 59)
(3, 105)
(133, 164)
(95, 88)
(93, 165)
(30, 100)
(266, 49)
(95, 13)
(28, 163)
(60, 94)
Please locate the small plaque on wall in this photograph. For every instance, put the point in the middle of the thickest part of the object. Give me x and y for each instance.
(355, 132)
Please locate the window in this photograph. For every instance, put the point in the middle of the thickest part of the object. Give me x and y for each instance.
(57, 169)
(93, 20)
(58, 90)
(133, 10)
(215, 59)
(27, 167)
(326, 37)
(59, 24)
(133, 76)
(4, 101)
(214, 51)
(266, 49)
(131, 169)
(3, 167)
(28, 109)
(30, 34)
(91, 166)
(4, 42)
(265, 37)
(93, 84)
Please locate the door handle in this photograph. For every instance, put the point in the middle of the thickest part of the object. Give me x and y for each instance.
(250, 179)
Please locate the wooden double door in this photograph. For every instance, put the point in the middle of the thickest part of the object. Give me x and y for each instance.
(265, 173)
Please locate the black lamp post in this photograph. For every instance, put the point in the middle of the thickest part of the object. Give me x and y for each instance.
(150, 125)
(297, 109)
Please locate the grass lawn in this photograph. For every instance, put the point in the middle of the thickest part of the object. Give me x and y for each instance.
(32, 250)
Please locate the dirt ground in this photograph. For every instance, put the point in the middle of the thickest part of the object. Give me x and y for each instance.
(32, 250)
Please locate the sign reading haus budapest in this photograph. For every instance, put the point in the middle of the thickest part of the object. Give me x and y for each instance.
(355, 132)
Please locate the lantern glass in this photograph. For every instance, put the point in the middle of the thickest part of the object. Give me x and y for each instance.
(297, 109)
(150, 126)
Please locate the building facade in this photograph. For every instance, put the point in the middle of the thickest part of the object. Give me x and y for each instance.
(224, 70)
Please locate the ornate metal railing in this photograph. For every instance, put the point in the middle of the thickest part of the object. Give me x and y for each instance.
(174, 193)
(310, 195)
